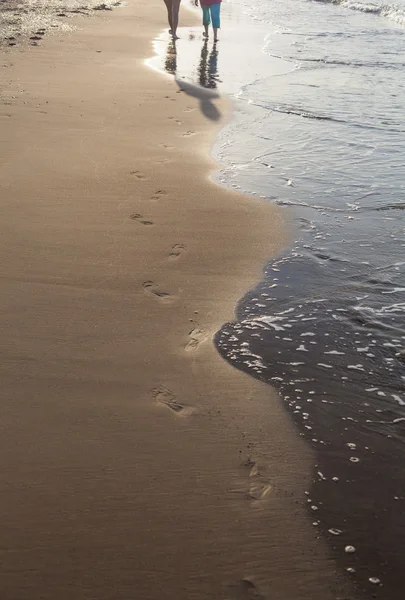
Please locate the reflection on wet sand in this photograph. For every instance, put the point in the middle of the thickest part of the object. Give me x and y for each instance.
(171, 57)
(207, 69)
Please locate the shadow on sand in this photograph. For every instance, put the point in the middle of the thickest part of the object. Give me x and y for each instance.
(205, 97)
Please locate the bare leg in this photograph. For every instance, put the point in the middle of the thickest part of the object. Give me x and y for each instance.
(169, 14)
(175, 16)
(205, 34)
(215, 34)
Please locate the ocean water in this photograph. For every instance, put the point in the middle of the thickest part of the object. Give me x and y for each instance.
(319, 129)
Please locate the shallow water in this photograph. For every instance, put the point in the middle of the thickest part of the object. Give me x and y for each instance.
(319, 129)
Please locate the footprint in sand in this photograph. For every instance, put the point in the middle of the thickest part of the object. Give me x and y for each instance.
(258, 487)
(166, 146)
(164, 396)
(177, 251)
(189, 133)
(140, 219)
(245, 589)
(197, 337)
(138, 175)
(259, 490)
(152, 289)
(252, 466)
(158, 195)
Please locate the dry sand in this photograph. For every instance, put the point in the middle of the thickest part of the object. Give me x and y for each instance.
(135, 462)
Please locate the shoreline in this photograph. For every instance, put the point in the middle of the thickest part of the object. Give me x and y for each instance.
(128, 437)
(344, 404)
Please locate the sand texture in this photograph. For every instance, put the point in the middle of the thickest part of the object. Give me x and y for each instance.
(135, 462)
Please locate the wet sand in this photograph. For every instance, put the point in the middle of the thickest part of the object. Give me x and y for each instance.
(136, 463)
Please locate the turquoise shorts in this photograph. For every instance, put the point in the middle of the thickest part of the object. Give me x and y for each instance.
(212, 13)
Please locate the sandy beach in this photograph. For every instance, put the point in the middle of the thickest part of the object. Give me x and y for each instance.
(135, 462)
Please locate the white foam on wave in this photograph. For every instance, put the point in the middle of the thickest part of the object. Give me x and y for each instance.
(388, 11)
(274, 322)
(395, 290)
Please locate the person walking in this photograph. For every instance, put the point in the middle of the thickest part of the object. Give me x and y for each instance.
(173, 7)
(211, 13)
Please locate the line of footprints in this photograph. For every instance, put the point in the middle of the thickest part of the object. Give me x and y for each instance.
(176, 252)
(258, 487)
(197, 335)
